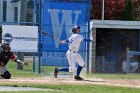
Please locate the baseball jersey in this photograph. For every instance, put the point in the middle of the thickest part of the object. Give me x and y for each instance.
(5, 57)
(75, 41)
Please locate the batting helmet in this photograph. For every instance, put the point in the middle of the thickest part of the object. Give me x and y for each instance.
(74, 29)
(6, 46)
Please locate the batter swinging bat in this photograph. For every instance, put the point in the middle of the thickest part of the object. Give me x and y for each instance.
(51, 36)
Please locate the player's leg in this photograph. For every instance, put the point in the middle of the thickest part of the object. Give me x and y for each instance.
(134, 66)
(71, 61)
(2, 70)
(5, 73)
(80, 61)
(65, 69)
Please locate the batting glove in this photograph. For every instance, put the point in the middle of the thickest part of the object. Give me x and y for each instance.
(19, 61)
(62, 42)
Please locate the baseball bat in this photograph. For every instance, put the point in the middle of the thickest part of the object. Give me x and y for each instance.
(55, 38)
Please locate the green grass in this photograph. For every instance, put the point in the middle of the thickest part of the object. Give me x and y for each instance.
(27, 72)
(46, 70)
(116, 76)
(80, 89)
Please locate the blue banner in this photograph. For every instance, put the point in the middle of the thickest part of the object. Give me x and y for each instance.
(59, 19)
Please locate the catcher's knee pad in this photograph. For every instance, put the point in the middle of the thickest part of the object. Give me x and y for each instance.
(7, 75)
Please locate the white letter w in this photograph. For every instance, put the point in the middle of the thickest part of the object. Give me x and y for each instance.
(61, 18)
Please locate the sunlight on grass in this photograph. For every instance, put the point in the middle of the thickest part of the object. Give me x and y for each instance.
(47, 70)
(79, 89)
(115, 76)
(27, 70)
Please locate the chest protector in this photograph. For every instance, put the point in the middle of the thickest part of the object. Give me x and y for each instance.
(5, 57)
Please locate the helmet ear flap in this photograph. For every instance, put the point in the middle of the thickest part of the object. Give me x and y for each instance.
(74, 30)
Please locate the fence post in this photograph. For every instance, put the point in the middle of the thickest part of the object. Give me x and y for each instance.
(33, 65)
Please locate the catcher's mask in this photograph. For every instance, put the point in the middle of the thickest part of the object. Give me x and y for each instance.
(74, 29)
(6, 46)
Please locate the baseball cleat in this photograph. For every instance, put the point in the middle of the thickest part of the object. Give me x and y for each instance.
(78, 78)
(55, 72)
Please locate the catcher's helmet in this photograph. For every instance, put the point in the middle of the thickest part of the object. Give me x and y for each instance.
(6, 46)
(74, 29)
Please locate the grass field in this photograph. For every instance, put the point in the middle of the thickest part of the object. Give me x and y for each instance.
(79, 89)
(62, 88)
(45, 70)
(130, 76)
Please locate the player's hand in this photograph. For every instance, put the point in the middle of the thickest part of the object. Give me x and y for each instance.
(24, 63)
(62, 42)
(19, 61)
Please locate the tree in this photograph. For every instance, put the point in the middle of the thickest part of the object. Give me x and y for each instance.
(96, 9)
(128, 12)
(136, 9)
(119, 8)
(113, 9)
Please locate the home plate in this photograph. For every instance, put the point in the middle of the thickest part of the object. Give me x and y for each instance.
(9, 88)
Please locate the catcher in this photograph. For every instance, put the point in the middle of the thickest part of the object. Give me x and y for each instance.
(5, 56)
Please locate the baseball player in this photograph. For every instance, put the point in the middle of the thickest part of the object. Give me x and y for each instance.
(5, 56)
(72, 54)
(129, 67)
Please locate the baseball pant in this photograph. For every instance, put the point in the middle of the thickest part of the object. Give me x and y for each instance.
(2, 69)
(132, 67)
(73, 58)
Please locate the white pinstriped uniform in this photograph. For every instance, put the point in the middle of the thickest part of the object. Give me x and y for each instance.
(72, 54)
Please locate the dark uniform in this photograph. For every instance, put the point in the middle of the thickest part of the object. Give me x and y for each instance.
(5, 56)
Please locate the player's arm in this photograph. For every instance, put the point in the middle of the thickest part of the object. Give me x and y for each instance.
(18, 61)
(64, 41)
(13, 57)
(88, 39)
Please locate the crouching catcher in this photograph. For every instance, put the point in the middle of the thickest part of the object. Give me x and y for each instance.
(5, 56)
